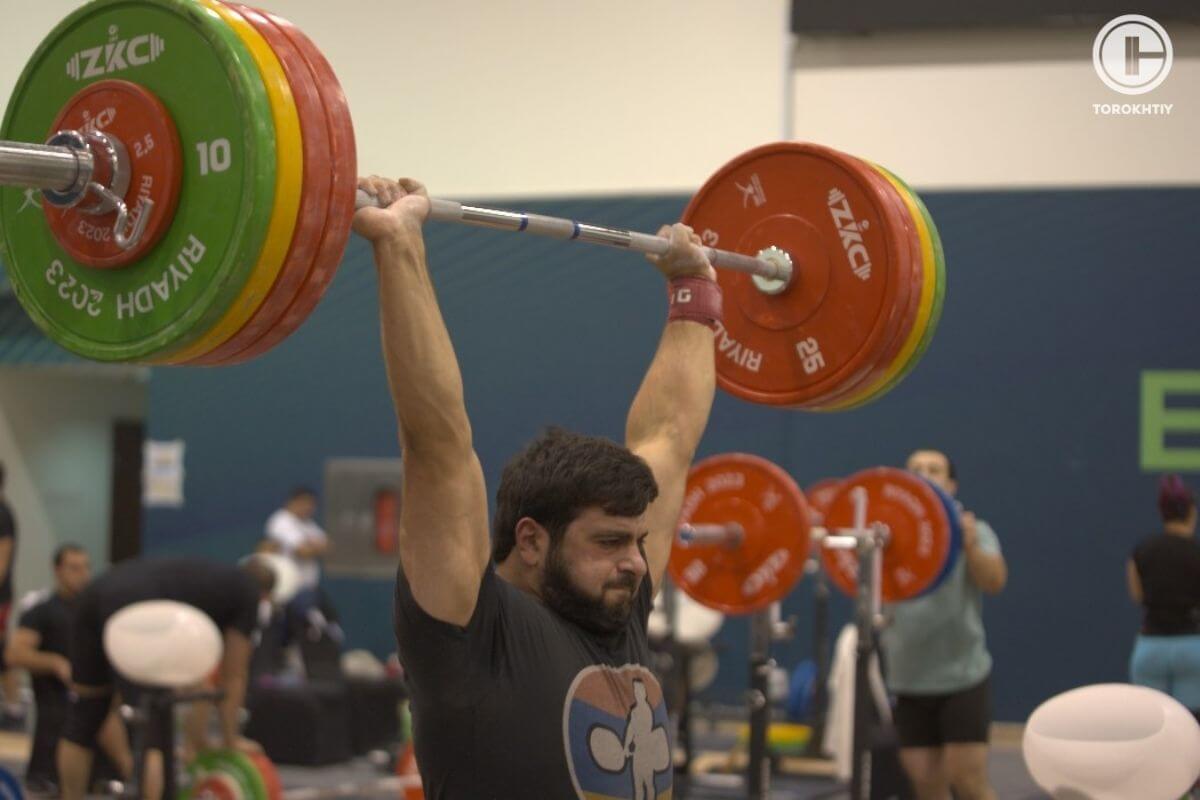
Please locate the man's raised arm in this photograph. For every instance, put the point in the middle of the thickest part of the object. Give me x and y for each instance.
(443, 518)
(671, 409)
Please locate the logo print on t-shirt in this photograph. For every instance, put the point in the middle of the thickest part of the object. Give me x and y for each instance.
(615, 734)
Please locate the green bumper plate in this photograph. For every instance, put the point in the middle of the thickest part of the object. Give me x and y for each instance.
(207, 80)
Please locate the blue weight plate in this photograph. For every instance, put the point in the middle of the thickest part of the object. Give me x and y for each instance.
(956, 537)
(10, 787)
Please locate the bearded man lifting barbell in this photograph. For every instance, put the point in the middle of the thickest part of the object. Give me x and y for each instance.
(937, 660)
(527, 659)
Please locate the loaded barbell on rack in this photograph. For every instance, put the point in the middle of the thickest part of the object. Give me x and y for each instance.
(746, 529)
(743, 541)
(199, 179)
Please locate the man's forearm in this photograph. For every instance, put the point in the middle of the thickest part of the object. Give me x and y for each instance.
(422, 370)
(987, 570)
(230, 708)
(35, 661)
(676, 395)
(311, 550)
(195, 725)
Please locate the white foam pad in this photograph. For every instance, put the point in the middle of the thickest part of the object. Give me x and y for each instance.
(1112, 741)
(162, 643)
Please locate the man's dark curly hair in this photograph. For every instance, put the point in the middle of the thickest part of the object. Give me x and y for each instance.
(561, 474)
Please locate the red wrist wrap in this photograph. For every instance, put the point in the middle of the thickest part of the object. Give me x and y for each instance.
(695, 299)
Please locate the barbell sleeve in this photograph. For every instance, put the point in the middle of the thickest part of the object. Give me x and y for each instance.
(729, 534)
(39, 166)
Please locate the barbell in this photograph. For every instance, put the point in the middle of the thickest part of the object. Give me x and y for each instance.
(746, 530)
(197, 166)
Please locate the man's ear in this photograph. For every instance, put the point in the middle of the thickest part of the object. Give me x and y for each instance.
(532, 542)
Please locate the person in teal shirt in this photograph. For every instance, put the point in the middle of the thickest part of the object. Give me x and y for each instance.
(937, 663)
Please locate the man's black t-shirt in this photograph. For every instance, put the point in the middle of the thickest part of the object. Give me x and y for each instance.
(223, 592)
(1169, 569)
(52, 620)
(522, 703)
(8, 530)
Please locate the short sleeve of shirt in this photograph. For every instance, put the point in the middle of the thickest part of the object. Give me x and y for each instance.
(245, 613)
(34, 619)
(1138, 554)
(989, 542)
(8, 526)
(282, 528)
(442, 659)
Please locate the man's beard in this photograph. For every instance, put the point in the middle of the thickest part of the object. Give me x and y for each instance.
(590, 613)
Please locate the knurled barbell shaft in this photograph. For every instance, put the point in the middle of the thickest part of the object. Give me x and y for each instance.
(570, 230)
(40, 166)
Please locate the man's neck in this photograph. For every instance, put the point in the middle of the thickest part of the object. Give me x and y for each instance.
(509, 571)
(1176, 528)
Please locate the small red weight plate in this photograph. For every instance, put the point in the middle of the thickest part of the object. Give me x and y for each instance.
(314, 198)
(918, 532)
(763, 568)
(344, 168)
(819, 495)
(139, 120)
(827, 329)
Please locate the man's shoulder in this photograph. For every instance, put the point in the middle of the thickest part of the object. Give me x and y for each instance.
(283, 522)
(986, 533)
(32, 599)
(38, 608)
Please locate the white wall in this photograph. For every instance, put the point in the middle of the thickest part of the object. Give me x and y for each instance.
(56, 428)
(544, 97)
(1009, 109)
(533, 97)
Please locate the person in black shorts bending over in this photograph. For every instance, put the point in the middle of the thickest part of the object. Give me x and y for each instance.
(229, 595)
(527, 660)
